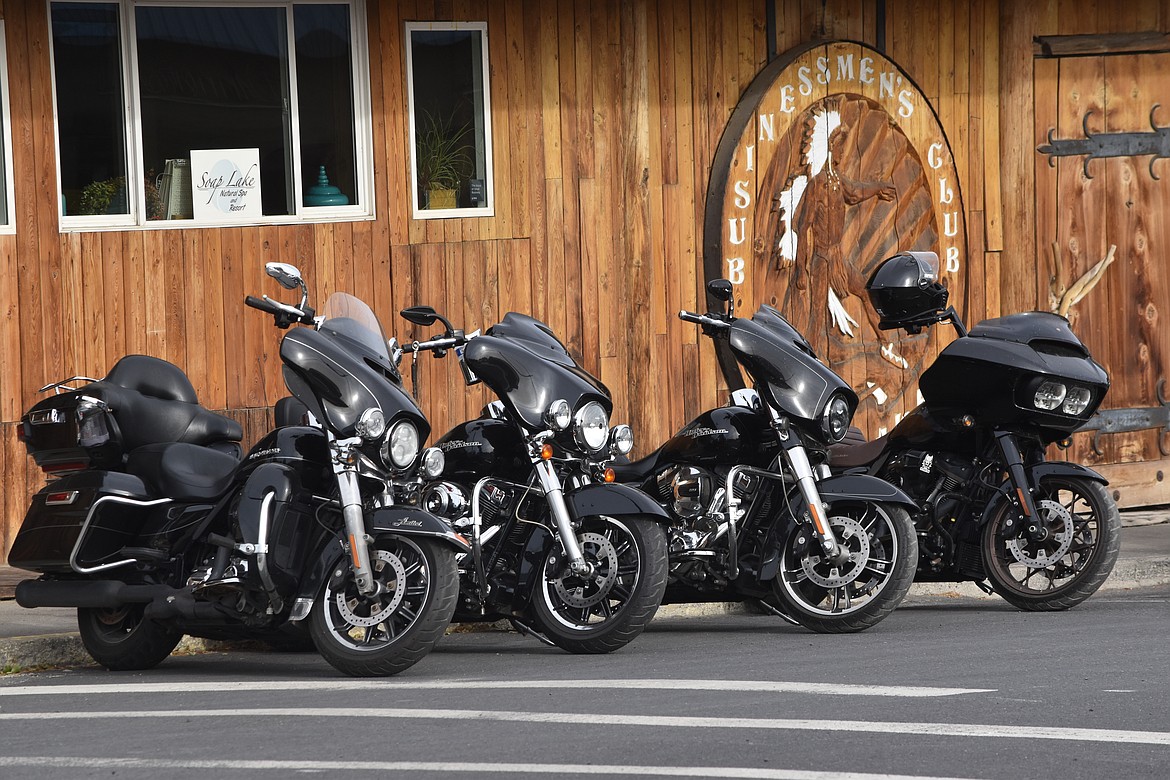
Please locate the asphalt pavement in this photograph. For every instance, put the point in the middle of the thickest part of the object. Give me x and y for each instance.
(32, 639)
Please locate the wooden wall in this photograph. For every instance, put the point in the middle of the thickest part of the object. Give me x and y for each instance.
(606, 118)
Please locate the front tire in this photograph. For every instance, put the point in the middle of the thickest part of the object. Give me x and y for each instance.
(608, 609)
(381, 635)
(1069, 565)
(122, 640)
(843, 598)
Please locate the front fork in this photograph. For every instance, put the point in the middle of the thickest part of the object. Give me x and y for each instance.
(344, 452)
(798, 463)
(550, 483)
(1034, 524)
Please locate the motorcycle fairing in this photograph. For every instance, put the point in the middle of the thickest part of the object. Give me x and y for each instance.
(324, 373)
(528, 380)
(780, 360)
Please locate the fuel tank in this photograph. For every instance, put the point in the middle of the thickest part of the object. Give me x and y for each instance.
(484, 447)
(303, 448)
(725, 436)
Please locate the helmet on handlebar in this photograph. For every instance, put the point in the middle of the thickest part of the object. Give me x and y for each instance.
(905, 290)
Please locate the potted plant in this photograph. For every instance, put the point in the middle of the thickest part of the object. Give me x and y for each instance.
(443, 157)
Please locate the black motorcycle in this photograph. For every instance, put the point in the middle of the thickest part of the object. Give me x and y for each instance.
(755, 514)
(154, 527)
(556, 549)
(1044, 533)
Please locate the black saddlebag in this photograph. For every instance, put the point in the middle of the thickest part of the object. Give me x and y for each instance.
(81, 523)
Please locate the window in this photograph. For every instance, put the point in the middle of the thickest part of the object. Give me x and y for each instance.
(450, 131)
(7, 224)
(276, 89)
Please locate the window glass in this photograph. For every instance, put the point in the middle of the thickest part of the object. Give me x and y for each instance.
(325, 91)
(266, 85)
(213, 78)
(5, 138)
(449, 114)
(87, 66)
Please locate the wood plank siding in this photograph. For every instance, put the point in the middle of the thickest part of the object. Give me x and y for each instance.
(605, 119)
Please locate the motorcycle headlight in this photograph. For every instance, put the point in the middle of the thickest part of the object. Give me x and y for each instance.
(372, 424)
(621, 440)
(835, 418)
(1077, 401)
(401, 445)
(558, 415)
(1049, 396)
(433, 462)
(592, 427)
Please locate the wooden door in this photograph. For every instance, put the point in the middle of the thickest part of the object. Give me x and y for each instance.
(1098, 118)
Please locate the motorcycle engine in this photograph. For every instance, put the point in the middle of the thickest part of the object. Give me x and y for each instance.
(936, 482)
(446, 499)
(689, 493)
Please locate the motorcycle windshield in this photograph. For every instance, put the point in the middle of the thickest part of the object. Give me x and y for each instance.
(350, 317)
(344, 369)
(528, 368)
(782, 362)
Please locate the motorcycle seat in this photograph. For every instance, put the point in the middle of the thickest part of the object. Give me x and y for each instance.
(638, 470)
(154, 402)
(182, 471)
(854, 451)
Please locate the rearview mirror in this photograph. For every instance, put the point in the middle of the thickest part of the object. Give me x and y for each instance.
(420, 315)
(287, 275)
(720, 289)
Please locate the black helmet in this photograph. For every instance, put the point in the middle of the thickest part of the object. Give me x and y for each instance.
(905, 290)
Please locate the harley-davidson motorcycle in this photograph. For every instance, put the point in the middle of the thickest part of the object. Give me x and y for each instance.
(1044, 533)
(154, 527)
(755, 514)
(557, 549)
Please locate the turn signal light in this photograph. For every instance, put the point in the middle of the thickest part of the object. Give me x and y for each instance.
(546, 452)
(610, 475)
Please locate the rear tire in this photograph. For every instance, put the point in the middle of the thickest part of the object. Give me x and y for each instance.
(1068, 567)
(378, 636)
(609, 609)
(122, 640)
(883, 554)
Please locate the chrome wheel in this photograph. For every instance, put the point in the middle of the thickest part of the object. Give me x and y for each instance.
(860, 587)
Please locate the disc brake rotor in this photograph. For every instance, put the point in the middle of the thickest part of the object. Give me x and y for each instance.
(1036, 554)
(384, 604)
(580, 592)
(852, 537)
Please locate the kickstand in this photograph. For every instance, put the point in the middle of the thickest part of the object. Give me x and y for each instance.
(528, 630)
(983, 586)
(777, 612)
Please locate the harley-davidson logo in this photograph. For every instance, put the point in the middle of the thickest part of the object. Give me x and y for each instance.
(695, 433)
(447, 446)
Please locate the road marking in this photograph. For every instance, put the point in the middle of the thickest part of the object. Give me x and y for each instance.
(610, 719)
(753, 686)
(552, 770)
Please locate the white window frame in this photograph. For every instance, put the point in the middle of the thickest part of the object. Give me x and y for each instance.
(132, 119)
(9, 226)
(489, 172)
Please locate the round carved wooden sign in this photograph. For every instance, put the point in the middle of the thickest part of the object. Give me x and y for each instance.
(833, 161)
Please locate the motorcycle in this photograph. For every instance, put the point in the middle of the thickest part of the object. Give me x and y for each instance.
(153, 526)
(755, 514)
(556, 549)
(1045, 534)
